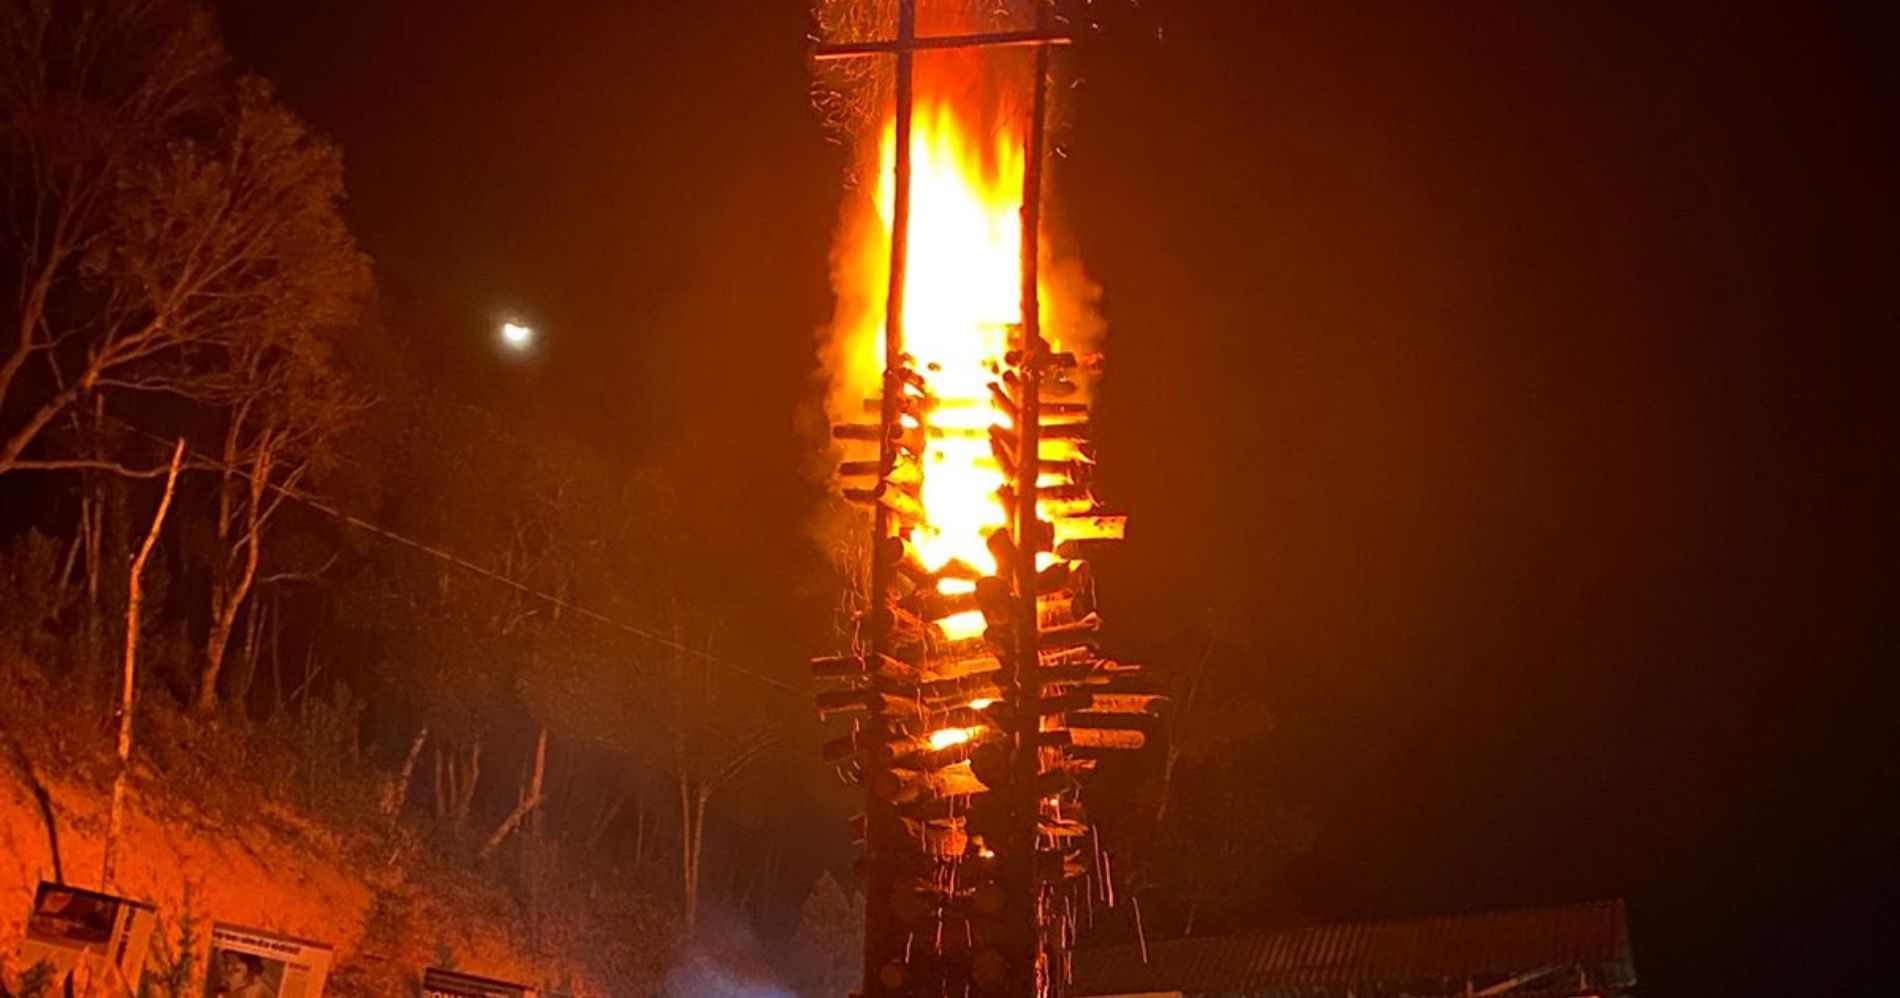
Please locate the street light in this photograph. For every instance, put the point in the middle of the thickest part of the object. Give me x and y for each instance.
(517, 336)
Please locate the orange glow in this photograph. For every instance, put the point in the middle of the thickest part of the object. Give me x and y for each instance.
(962, 317)
(959, 626)
(945, 737)
(963, 292)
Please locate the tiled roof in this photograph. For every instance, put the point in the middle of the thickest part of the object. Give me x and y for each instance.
(1576, 949)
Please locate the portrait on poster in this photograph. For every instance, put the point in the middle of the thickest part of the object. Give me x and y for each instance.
(253, 963)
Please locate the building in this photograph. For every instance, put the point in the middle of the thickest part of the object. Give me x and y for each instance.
(1563, 952)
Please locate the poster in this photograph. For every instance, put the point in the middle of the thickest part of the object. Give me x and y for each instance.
(252, 963)
(439, 983)
(101, 936)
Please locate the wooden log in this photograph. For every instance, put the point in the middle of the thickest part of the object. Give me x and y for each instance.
(1069, 529)
(867, 432)
(899, 786)
(1096, 738)
(990, 39)
(1054, 637)
(940, 669)
(1125, 703)
(841, 748)
(1100, 721)
(1067, 430)
(838, 667)
(832, 703)
(939, 838)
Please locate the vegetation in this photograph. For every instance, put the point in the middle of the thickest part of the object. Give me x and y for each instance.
(368, 602)
(497, 659)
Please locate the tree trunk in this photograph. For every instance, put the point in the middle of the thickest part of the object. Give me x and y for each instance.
(465, 782)
(530, 804)
(692, 806)
(456, 778)
(241, 529)
(91, 532)
(92, 521)
(246, 675)
(391, 804)
(115, 815)
(605, 821)
(1175, 723)
(441, 787)
(692, 837)
(639, 836)
(540, 774)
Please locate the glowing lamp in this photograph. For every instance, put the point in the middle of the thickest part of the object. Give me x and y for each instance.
(517, 336)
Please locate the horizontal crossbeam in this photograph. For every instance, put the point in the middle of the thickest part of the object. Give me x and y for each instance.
(994, 39)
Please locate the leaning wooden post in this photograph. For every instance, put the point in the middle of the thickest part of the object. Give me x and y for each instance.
(115, 816)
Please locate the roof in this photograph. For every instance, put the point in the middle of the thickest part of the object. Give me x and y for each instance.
(1574, 949)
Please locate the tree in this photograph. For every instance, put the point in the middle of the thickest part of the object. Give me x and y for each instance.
(828, 944)
(235, 237)
(1201, 838)
(1222, 860)
(89, 91)
(287, 406)
(170, 232)
(156, 214)
(456, 639)
(714, 740)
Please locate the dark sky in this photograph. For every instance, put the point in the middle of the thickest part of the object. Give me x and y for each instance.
(1501, 382)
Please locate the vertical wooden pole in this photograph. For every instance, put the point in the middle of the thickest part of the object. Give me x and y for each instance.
(882, 938)
(1028, 972)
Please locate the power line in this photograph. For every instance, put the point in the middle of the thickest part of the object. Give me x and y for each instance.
(330, 509)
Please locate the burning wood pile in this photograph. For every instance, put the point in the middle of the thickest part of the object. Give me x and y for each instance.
(975, 690)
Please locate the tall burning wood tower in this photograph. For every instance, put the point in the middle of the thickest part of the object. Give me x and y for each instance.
(975, 692)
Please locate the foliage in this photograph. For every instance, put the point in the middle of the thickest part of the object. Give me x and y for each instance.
(31, 596)
(36, 982)
(155, 213)
(172, 961)
(173, 263)
(1223, 857)
(828, 945)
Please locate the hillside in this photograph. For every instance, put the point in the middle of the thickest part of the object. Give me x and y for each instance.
(203, 843)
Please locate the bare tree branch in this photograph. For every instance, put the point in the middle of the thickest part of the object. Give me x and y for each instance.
(86, 464)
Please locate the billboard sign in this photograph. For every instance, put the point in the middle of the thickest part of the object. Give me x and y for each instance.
(92, 935)
(252, 963)
(439, 983)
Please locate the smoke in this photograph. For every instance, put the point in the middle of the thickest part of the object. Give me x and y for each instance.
(700, 974)
(724, 959)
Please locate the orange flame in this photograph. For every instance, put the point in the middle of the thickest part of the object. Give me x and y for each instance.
(962, 295)
(962, 307)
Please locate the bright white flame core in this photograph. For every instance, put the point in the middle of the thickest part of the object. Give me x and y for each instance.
(946, 737)
(517, 335)
(963, 292)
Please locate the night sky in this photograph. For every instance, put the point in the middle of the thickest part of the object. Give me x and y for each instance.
(1499, 383)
